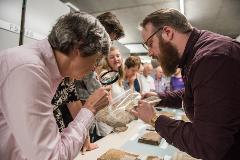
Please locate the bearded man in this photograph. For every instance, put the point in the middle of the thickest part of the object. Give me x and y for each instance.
(209, 65)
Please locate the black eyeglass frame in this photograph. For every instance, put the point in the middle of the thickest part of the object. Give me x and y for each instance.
(145, 43)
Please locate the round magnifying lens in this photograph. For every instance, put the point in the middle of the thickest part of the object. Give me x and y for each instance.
(109, 77)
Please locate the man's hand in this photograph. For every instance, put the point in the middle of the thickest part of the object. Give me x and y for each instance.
(144, 111)
(149, 94)
(98, 100)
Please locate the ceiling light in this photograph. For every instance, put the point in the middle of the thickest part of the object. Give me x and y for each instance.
(182, 6)
(136, 48)
(72, 7)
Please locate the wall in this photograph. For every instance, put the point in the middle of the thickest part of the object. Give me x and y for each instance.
(125, 52)
(40, 16)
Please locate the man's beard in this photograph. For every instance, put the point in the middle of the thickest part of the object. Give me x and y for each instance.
(169, 58)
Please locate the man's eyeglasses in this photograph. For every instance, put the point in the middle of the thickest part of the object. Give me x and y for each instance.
(145, 44)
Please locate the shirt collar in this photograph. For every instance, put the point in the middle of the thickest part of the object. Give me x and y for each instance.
(49, 59)
(193, 38)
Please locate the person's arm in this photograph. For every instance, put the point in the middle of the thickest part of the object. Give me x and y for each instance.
(171, 99)
(215, 86)
(168, 99)
(29, 114)
(74, 107)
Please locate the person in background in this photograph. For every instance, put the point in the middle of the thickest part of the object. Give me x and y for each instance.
(112, 25)
(115, 62)
(176, 82)
(115, 30)
(210, 69)
(131, 69)
(29, 77)
(141, 68)
(160, 82)
(146, 80)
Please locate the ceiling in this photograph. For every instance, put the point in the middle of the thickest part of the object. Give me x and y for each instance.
(221, 16)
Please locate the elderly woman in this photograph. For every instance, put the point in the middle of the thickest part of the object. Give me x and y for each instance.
(29, 76)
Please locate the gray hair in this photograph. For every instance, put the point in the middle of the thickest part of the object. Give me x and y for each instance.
(79, 30)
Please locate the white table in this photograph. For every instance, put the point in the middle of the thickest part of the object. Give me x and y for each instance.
(127, 141)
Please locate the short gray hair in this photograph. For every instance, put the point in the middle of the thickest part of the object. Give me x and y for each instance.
(79, 30)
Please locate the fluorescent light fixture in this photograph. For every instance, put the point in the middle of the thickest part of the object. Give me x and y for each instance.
(238, 38)
(182, 6)
(136, 48)
(140, 28)
(145, 59)
(71, 6)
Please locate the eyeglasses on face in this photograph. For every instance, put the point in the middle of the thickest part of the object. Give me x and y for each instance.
(145, 44)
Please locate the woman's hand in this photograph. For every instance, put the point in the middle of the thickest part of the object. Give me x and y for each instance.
(98, 100)
(88, 146)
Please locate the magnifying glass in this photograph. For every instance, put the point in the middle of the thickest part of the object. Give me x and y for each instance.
(109, 77)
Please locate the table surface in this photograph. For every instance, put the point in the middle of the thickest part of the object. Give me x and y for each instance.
(128, 141)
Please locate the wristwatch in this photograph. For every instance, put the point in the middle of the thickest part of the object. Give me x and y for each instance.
(153, 120)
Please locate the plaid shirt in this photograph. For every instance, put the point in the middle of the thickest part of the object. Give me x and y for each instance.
(162, 85)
